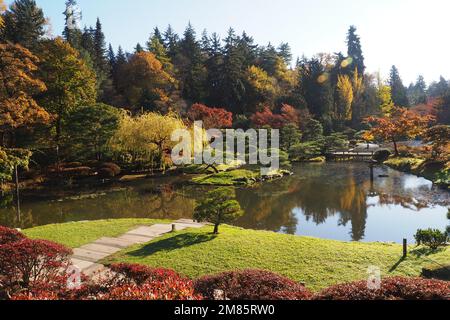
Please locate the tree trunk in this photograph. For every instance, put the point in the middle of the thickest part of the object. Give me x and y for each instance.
(396, 148)
(216, 228)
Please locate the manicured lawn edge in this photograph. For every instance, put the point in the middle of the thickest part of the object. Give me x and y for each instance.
(318, 263)
(76, 234)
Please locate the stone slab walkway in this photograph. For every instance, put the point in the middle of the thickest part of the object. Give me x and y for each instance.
(86, 257)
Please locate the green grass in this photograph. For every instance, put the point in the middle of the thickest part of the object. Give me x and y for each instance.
(229, 178)
(405, 164)
(317, 262)
(76, 234)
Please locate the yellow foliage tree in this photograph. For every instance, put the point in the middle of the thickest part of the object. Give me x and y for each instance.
(386, 103)
(147, 138)
(263, 87)
(18, 86)
(2, 9)
(344, 98)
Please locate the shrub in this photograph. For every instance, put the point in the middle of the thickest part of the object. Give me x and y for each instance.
(431, 238)
(397, 288)
(27, 263)
(8, 235)
(140, 274)
(251, 285)
(106, 173)
(112, 166)
(381, 156)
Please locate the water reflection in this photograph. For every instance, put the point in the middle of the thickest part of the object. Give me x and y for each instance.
(335, 200)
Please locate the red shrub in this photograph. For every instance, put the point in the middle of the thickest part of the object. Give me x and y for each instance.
(216, 118)
(32, 263)
(140, 274)
(251, 285)
(8, 235)
(397, 288)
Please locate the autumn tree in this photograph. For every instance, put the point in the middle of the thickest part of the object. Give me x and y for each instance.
(216, 118)
(219, 206)
(403, 123)
(385, 99)
(344, 98)
(439, 138)
(288, 115)
(24, 23)
(2, 9)
(261, 88)
(144, 82)
(69, 81)
(18, 87)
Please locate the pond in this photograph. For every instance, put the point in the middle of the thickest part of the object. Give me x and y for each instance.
(332, 201)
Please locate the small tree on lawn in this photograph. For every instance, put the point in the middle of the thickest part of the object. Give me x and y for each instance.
(402, 124)
(219, 206)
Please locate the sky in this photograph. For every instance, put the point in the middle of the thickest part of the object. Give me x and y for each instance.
(411, 34)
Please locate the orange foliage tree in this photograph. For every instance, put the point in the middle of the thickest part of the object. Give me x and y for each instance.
(289, 115)
(216, 118)
(403, 123)
(18, 86)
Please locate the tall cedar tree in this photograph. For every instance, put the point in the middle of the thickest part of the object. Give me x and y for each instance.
(72, 34)
(355, 50)
(24, 23)
(214, 64)
(18, 86)
(70, 82)
(398, 90)
(170, 41)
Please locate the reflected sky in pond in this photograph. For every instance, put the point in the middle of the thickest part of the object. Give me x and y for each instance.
(333, 201)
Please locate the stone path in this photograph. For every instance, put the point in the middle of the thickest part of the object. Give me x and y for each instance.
(86, 257)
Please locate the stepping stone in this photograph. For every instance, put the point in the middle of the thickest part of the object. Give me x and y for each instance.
(100, 248)
(82, 264)
(135, 239)
(114, 242)
(144, 232)
(161, 229)
(88, 255)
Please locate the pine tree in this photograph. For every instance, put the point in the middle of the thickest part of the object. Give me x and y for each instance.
(214, 65)
(170, 41)
(155, 46)
(72, 33)
(157, 34)
(111, 58)
(355, 51)
(24, 23)
(417, 93)
(398, 90)
(248, 49)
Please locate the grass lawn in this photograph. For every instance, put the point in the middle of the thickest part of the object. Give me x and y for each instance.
(76, 234)
(316, 262)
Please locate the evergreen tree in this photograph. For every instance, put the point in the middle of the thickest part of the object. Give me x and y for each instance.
(99, 58)
(111, 58)
(284, 51)
(157, 34)
(138, 48)
(189, 63)
(72, 33)
(248, 49)
(417, 93)
(170, 41)
(233, 85)
(355, 50)
(214, 65)
(24, 23)
(398, 90)
(155, 46)
(439, 89)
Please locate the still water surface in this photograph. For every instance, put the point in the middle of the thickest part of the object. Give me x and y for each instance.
(332, 201)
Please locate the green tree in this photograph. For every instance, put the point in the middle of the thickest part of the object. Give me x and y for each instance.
(70, 82)
(89, 130)
(170, 41)
(417, 93)
(155, 46)
(219, 206)
(439, 89)
(355, 51)
(344, 98)
(24, 23)
(398, 90)
(290, 136)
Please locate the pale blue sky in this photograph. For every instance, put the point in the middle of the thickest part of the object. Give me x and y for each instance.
(412, 34)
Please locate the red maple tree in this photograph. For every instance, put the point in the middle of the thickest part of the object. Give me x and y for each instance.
(217, 118)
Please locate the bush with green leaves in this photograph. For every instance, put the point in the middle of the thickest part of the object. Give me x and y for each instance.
(219, 206)
(432, 238)
(10, 158)
(305, 151)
